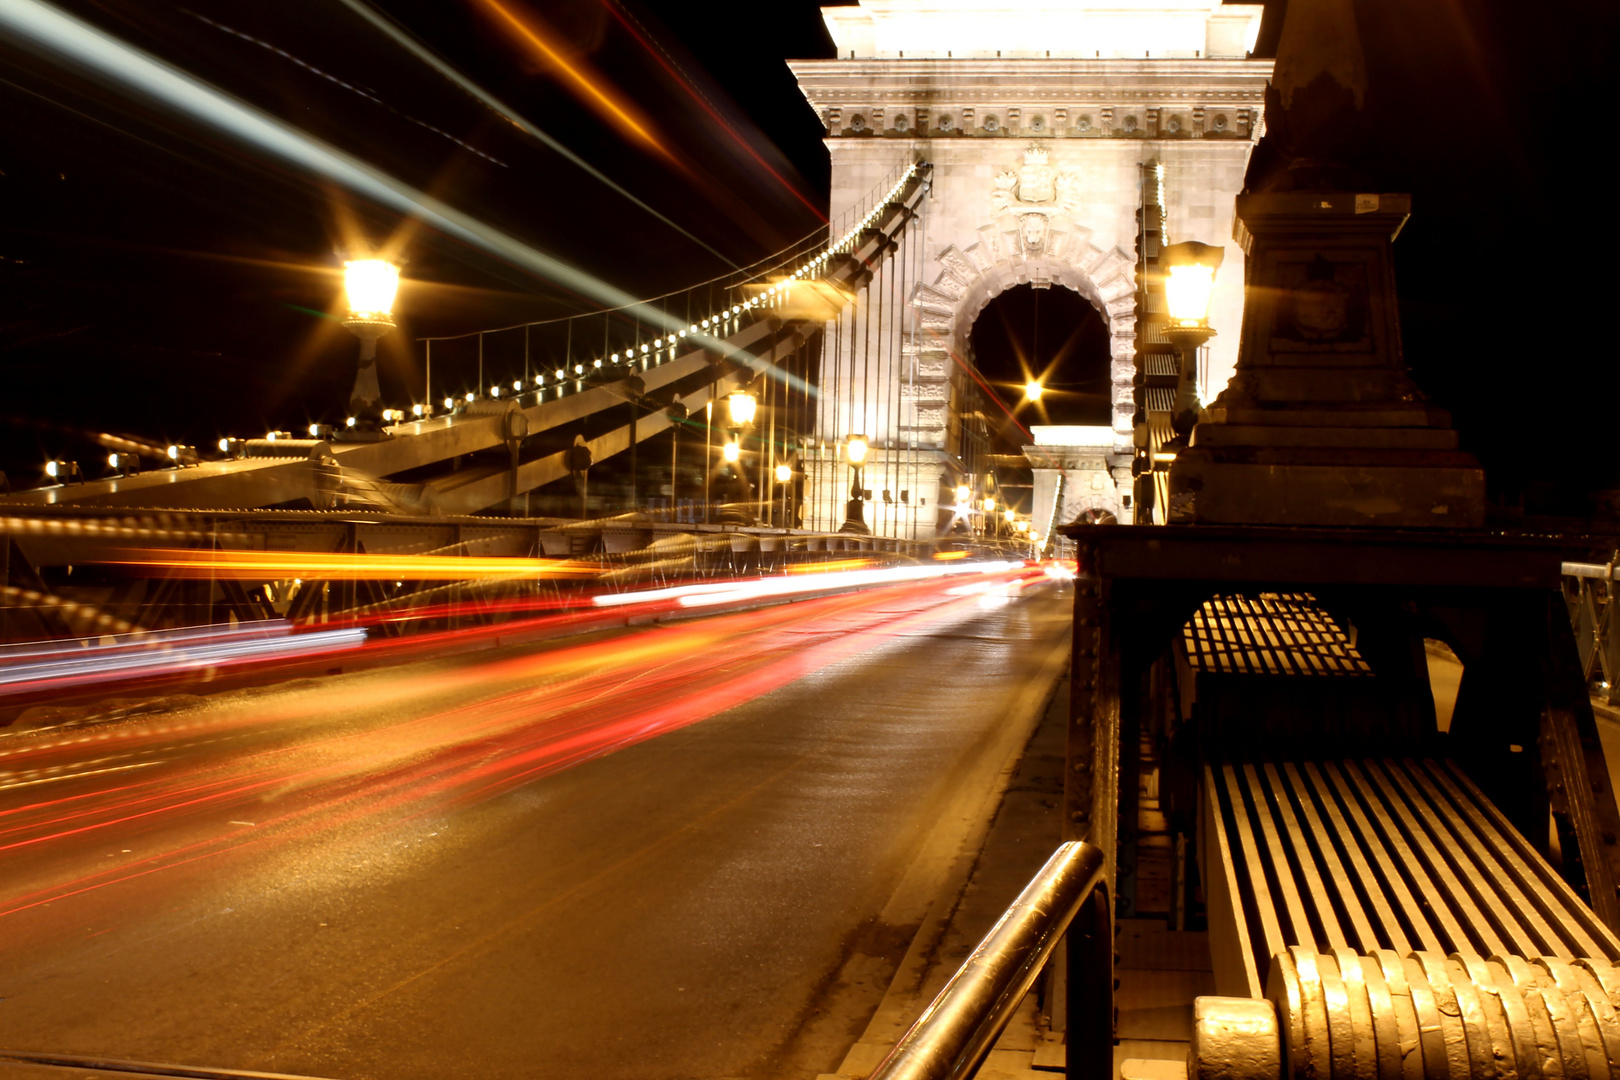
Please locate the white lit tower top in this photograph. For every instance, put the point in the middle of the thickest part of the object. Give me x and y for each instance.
(1009, 29)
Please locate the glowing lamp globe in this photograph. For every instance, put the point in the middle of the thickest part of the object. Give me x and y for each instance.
(857, 449)
(731, 451)
(371, 285)
(990, 505)
(1033, 391)
(963, 494)
(742, 406)
(784, 473)
(1009, 515)
(1189, 280)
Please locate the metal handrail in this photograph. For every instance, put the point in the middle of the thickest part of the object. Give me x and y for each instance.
(955, 1033)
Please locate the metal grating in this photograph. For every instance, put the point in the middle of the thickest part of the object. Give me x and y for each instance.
(1160, 398)
(1383, 854)
(1271, 634)
(1166, 364)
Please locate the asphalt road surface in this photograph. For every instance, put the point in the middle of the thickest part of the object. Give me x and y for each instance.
(665, 852)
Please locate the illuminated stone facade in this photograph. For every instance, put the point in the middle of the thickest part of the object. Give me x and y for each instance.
(1036, 119)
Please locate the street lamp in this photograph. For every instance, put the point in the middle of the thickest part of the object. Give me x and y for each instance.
(732, 451)
(743, 405)
(1189, 280)
(371, 285)
(855, 509)
(963, 494)
(1033, 391)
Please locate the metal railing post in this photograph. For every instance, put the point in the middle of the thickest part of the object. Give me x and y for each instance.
(1593, 620)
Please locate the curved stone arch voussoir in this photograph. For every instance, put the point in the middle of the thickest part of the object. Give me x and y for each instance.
(971, 277)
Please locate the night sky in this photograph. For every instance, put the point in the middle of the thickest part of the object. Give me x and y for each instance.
(160, 280)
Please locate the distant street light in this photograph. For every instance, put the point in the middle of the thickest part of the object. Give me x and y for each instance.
(371, 285)
(1009, 514)
(732, 451)
(963, 494)
(1033, 391)
(855, 509)
(784, 473)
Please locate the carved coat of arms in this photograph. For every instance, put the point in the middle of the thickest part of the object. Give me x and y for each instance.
(1035, 194)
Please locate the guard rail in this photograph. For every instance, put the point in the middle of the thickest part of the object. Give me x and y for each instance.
(953, 1036)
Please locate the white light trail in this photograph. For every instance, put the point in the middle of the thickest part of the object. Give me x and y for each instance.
(42, 28)
(85, 661)
(510, 115)
(731, 592)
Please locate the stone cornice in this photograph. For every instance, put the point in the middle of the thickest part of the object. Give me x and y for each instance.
(1009, 80)
(1021, 98)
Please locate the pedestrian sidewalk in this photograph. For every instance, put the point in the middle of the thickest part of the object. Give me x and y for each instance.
(1025, 831)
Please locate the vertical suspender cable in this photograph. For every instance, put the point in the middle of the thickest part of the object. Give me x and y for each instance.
(891, 384)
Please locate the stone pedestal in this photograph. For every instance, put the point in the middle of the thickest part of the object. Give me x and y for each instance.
(1321, 423)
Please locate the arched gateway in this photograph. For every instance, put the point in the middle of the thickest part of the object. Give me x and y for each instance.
(1037, 120)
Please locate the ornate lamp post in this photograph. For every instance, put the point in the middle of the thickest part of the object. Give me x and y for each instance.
(784, 477)
(855, 510)
(742, 406)
(370, 285)
(1189, 281)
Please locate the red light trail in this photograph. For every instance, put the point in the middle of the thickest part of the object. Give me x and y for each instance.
(384, 753)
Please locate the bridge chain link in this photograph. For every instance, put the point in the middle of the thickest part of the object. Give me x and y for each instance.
(1342, 1015)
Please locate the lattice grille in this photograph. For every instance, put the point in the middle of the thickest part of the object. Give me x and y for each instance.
(1271, 634)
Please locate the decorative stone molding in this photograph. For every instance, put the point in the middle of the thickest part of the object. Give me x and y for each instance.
(1018, 91)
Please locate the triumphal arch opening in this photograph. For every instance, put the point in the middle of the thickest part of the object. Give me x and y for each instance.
(1048, 128)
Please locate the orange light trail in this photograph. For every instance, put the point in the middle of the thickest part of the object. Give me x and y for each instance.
(553, 55)
(347, 566)
(685, 84)
(831, 566)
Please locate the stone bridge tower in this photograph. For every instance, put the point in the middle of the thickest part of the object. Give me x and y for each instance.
(1037, 118)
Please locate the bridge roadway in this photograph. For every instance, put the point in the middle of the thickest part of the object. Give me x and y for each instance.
(694, 849)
